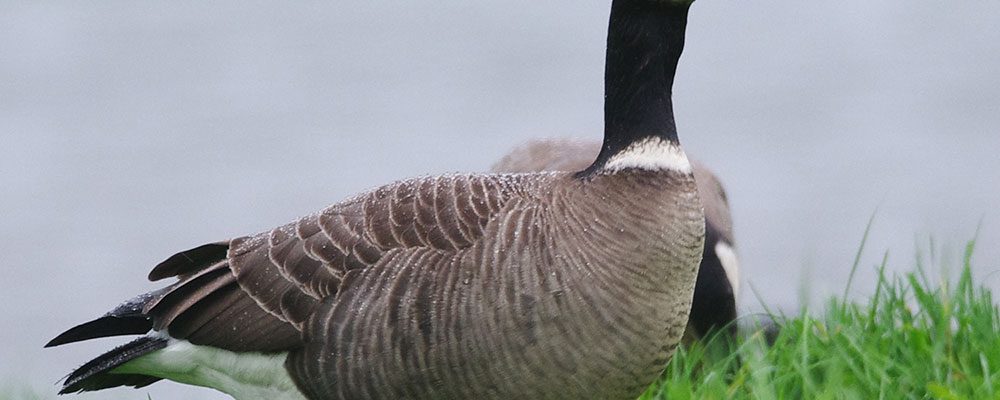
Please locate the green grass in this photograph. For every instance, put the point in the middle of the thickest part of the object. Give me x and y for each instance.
(912, 339)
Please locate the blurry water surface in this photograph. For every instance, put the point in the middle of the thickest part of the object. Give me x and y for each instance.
(131, 130)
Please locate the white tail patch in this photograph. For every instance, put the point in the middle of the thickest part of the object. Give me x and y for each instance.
(731, 264)
(652, 154)
(245, 376)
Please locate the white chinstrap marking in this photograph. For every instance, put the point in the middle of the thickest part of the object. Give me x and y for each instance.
(245, 376)
(731, 264)
(652, 154)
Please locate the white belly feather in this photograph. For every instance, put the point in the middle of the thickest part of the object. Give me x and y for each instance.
(245, 376)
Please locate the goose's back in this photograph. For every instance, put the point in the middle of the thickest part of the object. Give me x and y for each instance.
(567, 154)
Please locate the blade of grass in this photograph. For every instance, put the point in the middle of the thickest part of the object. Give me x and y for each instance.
(857, 256)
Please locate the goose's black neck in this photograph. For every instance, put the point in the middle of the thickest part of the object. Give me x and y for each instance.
(645, 40)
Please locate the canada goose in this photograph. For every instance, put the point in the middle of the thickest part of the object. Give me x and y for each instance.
(716, 291)
(522, 286)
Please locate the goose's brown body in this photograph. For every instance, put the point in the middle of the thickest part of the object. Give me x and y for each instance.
(549, 296)
(492, 286)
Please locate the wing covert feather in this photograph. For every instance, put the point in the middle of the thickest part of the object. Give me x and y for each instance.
(290, 270)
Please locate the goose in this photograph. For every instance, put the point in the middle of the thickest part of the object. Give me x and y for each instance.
(552, 285)
(717, 288)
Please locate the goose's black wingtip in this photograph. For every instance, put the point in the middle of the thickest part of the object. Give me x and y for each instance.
(105, 326)
(94, 375)
(126, 319)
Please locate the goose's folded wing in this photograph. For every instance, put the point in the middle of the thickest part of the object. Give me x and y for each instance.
(257, 292)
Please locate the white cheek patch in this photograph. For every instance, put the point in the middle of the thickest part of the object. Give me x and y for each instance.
(731, 264)
(245, 376)
(652, 154)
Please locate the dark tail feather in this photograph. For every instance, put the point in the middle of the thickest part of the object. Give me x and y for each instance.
(94, 374)
(103, 327)
(126, 319)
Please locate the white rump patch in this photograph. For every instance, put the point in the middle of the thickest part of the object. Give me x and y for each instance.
(730, 263)
(245, 376)
(652, 154)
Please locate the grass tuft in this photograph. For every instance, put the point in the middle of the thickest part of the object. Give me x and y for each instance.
(913, 339)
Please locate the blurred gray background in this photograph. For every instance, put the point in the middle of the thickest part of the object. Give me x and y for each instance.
(131, 130)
